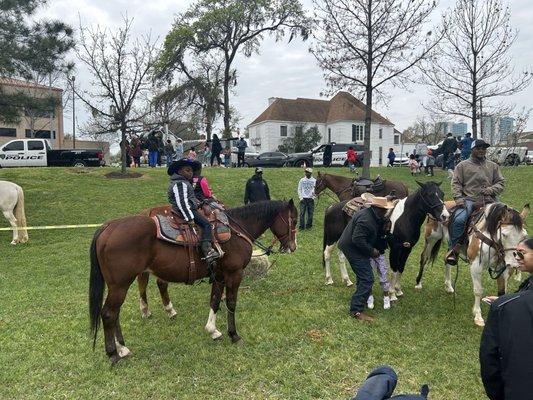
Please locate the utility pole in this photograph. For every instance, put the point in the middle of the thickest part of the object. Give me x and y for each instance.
(73, 113)
(481, 118)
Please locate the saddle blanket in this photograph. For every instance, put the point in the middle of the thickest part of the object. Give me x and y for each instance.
(186, 235)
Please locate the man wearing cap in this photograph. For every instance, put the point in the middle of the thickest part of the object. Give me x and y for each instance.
(256, 188)
(306, 193)
(358, 243)
(184, 202)
(475, 180)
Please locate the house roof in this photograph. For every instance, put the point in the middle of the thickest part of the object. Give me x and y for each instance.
(342, 107)
(4, 80)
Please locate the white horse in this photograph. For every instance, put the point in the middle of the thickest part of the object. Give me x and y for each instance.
(12, 206)
(490, 246)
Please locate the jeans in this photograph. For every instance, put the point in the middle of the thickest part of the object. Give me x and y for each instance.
(227, 161)
(365, 280)
(448, 162)
(152, 158)
(204, 224)
(240, 159)
(306, 206)
(459, 218)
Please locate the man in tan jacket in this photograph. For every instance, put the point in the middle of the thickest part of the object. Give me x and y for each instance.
(475, 180)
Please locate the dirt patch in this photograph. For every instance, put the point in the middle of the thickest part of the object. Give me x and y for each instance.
(119, 175)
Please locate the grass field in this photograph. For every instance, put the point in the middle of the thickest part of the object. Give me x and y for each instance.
(300, 342)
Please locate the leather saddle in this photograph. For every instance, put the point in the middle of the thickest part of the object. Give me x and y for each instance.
(357, 204)
(368, 185)
(174, 229)
(471, 222)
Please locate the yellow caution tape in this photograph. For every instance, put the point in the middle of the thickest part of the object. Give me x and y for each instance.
(46, 227)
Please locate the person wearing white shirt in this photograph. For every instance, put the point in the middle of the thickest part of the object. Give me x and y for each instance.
(306, 193)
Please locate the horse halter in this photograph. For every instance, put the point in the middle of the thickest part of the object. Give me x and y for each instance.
(290, 230)
(431, 207)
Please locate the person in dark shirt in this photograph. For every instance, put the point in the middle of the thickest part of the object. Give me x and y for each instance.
(506, 349)
(358, 243)
(256, 188)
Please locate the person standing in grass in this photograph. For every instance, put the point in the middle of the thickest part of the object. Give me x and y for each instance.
(379, 264)
(256, 188)
(351, 158)
(227, 156)
(169, 152)
(179, 149)
(358, 243)
(391, 156)
(306, 193)
(430, 163)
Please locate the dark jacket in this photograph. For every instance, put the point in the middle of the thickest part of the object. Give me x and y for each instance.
(360, 236)
(181, 197)
(152, 143)
(449, 145)
(216, 146)
(506, 350)
(256, 190)
(241, 145)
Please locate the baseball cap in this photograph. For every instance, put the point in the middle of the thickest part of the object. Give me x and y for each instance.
(480, 143)
(259, 170)
(309, 169)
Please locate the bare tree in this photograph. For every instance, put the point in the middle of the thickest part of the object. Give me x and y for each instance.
(365, 44)
(472, 64)
(121, 70)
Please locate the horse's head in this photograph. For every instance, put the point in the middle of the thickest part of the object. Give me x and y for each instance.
(284, 227)
(432, 200)
(321, 183)
(505, 226)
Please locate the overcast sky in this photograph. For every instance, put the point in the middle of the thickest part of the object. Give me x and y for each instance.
(282, 69)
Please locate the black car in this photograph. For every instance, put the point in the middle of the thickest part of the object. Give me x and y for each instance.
(268, 159)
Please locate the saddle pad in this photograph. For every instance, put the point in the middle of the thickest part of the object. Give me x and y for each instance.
(183, 235)
(353, 206)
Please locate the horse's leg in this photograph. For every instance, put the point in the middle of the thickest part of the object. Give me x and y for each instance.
(216, 294)
(344, 272)
(430, 242)
(167, 304)
(476, 270)
(142, 281)
(110, 312)
(448, 279)
(122, 350)
(233, 281)
(13, 222)
(392, 291)
(327, 260)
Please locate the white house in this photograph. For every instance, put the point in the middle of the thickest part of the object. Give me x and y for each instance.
(341, 120)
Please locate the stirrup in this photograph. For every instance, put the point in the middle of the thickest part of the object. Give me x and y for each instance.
(451, 257)
(211, 256)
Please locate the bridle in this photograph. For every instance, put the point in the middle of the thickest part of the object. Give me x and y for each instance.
(290, 229)
(431, 207)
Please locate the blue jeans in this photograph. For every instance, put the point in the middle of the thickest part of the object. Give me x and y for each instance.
(152, 158)
(365, 280)
(204, 224)
(458, 223)
(307, 206)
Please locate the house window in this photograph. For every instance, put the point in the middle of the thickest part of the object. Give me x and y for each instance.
(396, 139)
(41, 134)
(283, 130)
(381, 133)
(358, 133)
(9, 132)
(329, 135)
(299, 130)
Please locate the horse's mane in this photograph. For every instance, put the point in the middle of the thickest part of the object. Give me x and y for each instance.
(261, 209)
(496, 213)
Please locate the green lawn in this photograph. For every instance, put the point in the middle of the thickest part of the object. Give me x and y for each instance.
(299, 341)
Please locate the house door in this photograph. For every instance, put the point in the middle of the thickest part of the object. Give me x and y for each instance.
(380, 155)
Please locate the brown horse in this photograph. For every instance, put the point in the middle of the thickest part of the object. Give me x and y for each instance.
(344, 188)
(124, 248)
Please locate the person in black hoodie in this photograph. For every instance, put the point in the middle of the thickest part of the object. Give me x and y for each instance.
(184, 202)
(216, 149)
(506, 349)
(256, 188)
(358, 243)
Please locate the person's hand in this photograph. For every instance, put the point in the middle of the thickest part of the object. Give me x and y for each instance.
(459, 202)
(407, 245)
(487, 191)
(375, 253)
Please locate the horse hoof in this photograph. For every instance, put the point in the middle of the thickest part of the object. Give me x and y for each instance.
(418, 286)
(449, 289)
(237, 340)
(479, 322)
(349, 283)
(172, 314)
(124, 352)
(393, 298)
(216, 335)
(399, 293)
(115, 359)
(329, 282)
(14, 242)
(146, 314)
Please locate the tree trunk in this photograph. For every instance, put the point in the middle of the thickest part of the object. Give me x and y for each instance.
(227, 112)
(123, 150)
(368, 108)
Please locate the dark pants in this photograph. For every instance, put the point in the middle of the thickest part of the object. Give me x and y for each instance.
(205, 225)
(306, 206)
(429, 169)
(240, 159)
(217, 156)
(448, 162)
(365, 279)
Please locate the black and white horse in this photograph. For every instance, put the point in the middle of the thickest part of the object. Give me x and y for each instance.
(406, 219)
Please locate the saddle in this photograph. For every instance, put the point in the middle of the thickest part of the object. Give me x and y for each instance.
(172, 228)
(357, 204)
(471, 222)
(368, 185)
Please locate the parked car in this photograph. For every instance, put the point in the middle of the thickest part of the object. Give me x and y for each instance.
(39, 153)
(529, 157)
(514, 155)
(316, 155)
(248, 153)
(268, 159)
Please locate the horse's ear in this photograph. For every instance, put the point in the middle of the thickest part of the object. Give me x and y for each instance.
(525, 211)
(419, 183)
(318, 174)
(439, 183)
(291, 203)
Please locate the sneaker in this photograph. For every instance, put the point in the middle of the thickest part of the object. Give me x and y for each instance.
(386, 302)
(370, 302)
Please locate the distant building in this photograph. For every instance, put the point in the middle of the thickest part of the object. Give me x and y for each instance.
(496, 129)
(444, 127)
(341, 120)
(46, 124)
(459, 129)
(489, 128)
(505, 127)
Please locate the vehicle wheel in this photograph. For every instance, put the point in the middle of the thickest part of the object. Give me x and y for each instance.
(79, 164)
(300, 163)
(512, 159)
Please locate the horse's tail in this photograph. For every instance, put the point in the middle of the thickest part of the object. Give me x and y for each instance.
(96, 287)
(20, 215)
(435, 250)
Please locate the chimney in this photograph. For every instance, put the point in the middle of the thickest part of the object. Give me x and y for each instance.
(271, 100)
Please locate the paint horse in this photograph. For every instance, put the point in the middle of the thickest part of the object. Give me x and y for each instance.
(12, 206)
(406, 219)
(124, 248)
(490, 244)
(345, 188)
